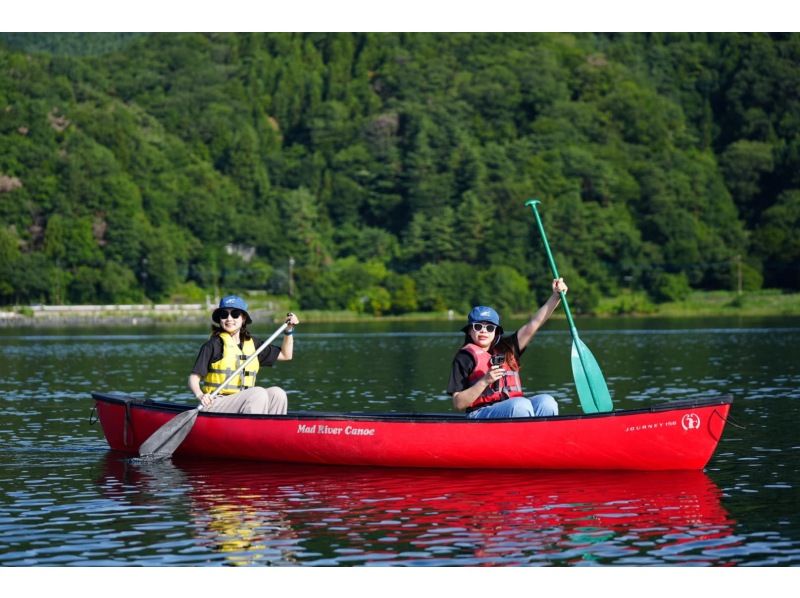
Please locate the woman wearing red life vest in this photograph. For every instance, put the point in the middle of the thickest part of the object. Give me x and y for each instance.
(484, 380)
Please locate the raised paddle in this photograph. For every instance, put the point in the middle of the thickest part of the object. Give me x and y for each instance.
(589, 381)
(163, 442)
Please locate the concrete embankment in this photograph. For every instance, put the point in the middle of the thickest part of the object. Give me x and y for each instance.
(113, 315)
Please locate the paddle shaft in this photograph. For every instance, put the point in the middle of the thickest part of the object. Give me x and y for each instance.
(532, 203)
(572, 329)
(238, 370)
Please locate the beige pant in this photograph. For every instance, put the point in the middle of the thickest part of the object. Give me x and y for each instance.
(257, 400)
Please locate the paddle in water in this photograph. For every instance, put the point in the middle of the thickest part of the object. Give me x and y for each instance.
(163, 442)
(589, 381)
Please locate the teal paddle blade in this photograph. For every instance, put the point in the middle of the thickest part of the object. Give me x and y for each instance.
(589, 380)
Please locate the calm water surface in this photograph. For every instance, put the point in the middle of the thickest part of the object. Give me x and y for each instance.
(67, 500)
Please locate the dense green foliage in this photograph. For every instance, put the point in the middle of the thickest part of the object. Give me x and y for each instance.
(392, 168)
(75, 44)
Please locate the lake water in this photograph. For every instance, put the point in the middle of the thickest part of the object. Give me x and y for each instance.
(67, 500)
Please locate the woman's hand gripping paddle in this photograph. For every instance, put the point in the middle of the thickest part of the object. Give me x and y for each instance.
(589, 381)
(163, 442)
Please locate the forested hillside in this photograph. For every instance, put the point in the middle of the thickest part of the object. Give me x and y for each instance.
(392, 169)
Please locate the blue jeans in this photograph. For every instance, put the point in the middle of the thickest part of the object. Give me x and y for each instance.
(538, 406)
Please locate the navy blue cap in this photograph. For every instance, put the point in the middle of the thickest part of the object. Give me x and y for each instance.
(231, 302)
(481, 313)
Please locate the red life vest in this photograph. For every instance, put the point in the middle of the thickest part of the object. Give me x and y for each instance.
(508, 386)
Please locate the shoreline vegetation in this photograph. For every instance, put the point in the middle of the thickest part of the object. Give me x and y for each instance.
(765, 303)
(381, 172)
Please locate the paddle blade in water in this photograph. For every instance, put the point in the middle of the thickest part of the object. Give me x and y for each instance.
(589, 381)
(163, 442)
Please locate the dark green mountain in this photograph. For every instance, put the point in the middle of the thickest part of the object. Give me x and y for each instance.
(393, 168)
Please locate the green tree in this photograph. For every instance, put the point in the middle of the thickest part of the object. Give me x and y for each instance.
(776, 241)
(670, 287)
(445, 285)
(432, 238)
(471, 226)
(403, 293)
(159, 268)
(346, 284)
(653, 152)
(118, 284)
(744, 162)
(504, 288)
(9, 257)
(37, 280)
(83, 286)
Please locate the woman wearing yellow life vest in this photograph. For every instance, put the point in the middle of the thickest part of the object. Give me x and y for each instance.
(484, 380)
(229, 346)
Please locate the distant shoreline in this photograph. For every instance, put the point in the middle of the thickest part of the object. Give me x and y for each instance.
(697, 305)
(57, 316)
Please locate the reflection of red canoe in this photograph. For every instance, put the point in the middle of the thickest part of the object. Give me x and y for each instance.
(676, 436)
(251, 513)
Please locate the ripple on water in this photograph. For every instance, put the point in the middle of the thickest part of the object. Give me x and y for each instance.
(67, 501)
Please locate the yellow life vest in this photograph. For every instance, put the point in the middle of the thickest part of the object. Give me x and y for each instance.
(232, 358)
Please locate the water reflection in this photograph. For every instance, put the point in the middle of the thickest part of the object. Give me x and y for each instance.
(62, 505)
(250, 514)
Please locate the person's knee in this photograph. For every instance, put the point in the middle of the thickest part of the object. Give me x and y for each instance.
(521, 407)
(278, 401)
(256, 401)
(544, 406)
(266, 401)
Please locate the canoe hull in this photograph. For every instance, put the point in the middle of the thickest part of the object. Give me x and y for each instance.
(681, 436)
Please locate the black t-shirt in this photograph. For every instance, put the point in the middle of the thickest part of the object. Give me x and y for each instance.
(211, 351)
(463, 364)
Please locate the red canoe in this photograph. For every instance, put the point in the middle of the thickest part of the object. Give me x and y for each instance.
(680, 435)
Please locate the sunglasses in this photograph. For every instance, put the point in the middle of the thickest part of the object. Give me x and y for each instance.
(233, 313)
(487, 327)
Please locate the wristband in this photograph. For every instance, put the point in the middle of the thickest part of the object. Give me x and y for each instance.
(288, 332)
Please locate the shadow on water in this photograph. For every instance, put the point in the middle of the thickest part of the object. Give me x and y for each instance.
(265, 514)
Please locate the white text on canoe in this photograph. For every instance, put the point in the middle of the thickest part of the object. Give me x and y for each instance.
(334, 430)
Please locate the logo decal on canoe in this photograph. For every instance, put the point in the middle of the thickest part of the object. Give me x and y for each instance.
(691, 421)
(325, 429)
(652, 426)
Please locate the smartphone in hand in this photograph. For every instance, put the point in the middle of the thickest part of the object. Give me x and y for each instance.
(497, 359)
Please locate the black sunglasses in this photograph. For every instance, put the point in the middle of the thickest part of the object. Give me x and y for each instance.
(234, 313)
